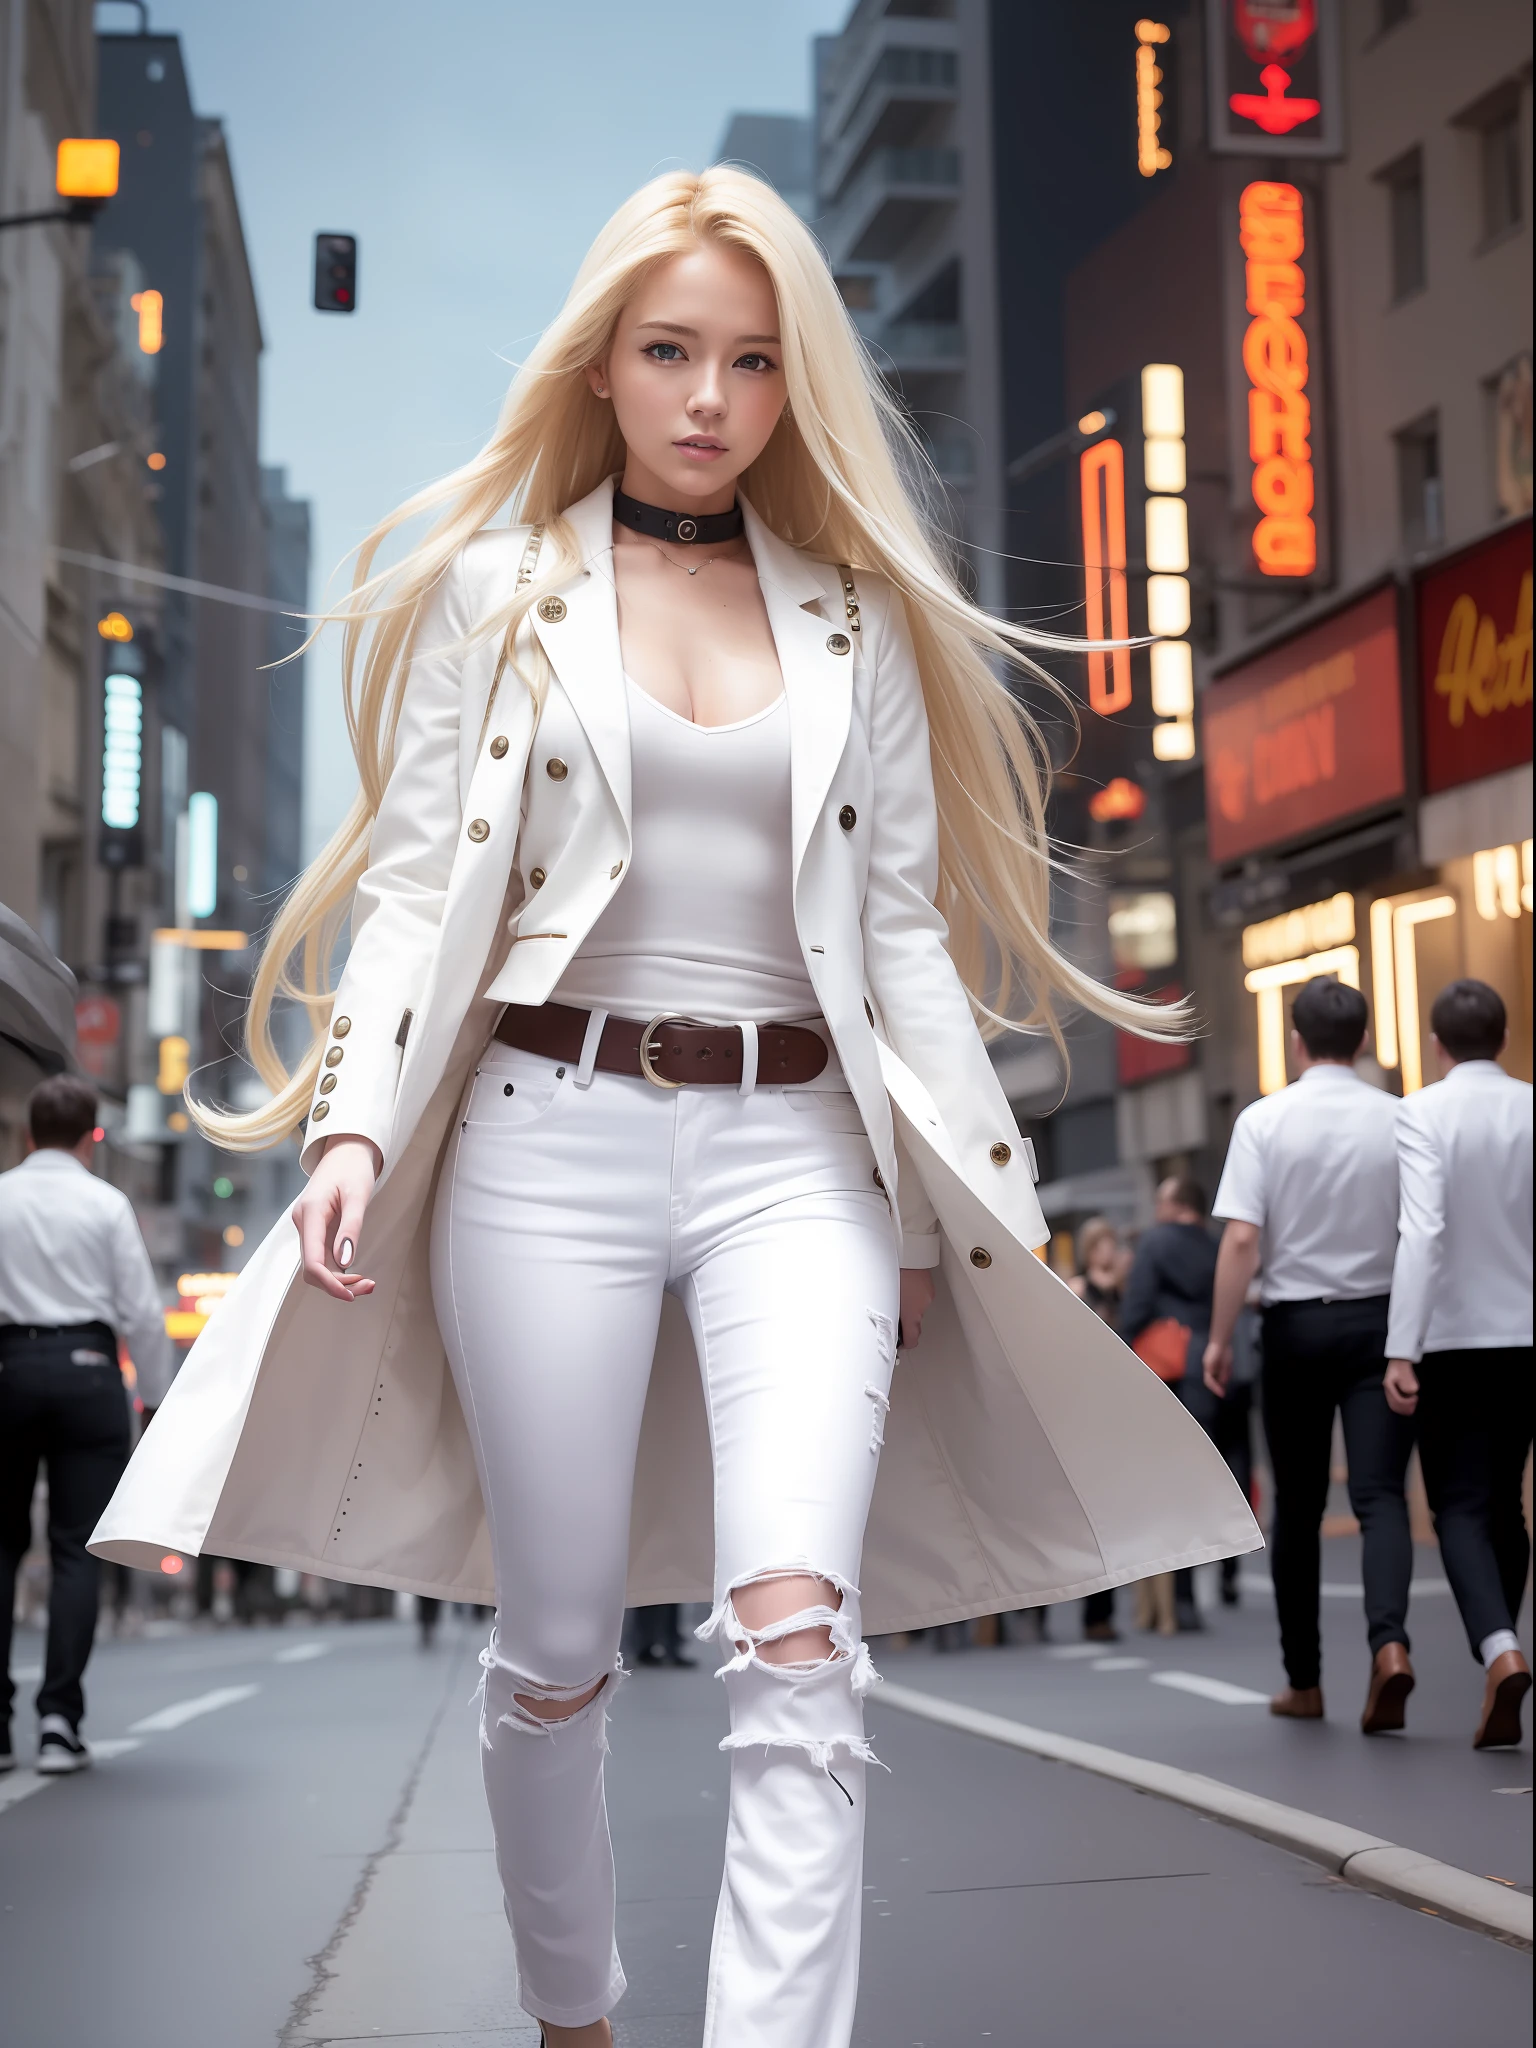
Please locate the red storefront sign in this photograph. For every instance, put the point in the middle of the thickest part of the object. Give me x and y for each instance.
(1307, 734)
(98, 1024)
(1474, 630)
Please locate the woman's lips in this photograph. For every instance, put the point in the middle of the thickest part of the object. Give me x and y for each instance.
(699, 451)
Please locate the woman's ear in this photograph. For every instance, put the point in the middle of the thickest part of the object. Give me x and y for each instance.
(597, 377)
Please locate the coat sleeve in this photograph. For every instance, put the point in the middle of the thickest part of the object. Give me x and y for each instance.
(1420, 1233)
(398, 906)
(138, 1316)
(923, 1004)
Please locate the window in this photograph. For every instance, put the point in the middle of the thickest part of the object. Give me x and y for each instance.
(1508, 397)
(1404, 181)
(858, 292)
(1499, 147)
(1420, 507)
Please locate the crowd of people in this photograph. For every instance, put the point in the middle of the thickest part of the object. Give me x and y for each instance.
(1374, 1265)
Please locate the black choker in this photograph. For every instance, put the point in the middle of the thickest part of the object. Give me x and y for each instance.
(707, 530)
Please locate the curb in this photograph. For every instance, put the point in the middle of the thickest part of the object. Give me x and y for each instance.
(1360, 1859)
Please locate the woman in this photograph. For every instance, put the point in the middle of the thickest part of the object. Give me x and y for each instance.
(1102, 1279)
(651, 755)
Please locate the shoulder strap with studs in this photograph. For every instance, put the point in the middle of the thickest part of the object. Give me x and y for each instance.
(850, 596)
(525, 569)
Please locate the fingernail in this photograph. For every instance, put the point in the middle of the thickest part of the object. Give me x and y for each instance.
(346, 1251)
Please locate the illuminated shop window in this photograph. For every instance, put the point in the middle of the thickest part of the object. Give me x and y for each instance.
(1501, 881)
(1285, 951)
(1395, 922)
(1167, 529)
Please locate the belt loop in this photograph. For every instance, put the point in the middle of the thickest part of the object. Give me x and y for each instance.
(596, 1019)
(748, 1057)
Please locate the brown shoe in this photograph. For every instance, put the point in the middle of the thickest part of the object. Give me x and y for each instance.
(1298, 1703)
(1391, 1683)
(1509, 1680)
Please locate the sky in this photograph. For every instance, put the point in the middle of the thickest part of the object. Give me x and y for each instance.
(474, 147)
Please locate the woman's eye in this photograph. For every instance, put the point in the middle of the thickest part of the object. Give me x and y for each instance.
(755, 362)
(663, 352)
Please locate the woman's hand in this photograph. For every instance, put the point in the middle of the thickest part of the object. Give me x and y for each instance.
(916, 1300)
(329, 1215)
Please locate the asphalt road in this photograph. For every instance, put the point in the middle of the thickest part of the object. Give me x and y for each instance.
(285, 1844)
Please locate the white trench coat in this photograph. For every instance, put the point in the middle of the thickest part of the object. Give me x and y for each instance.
(1029, 1457)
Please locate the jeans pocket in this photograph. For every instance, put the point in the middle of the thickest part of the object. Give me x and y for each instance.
(830, 1110)
(512, 1090)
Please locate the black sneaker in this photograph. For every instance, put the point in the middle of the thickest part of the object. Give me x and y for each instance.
(7, 1754)
(59, 1748)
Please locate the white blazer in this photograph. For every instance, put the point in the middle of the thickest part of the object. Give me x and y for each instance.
(1029, 1456)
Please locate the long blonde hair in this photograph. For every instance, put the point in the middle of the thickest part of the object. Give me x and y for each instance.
(842, 477)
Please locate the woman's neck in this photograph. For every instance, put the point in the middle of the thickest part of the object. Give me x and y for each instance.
(642, 483)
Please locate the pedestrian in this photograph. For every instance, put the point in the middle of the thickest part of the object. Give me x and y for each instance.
(1459, 1338)
(1309, 1194)
(74, 1280)
(1169, 1293)
(1100, 1283)
(650, 754)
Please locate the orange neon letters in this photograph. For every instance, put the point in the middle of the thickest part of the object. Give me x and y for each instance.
(1275, 358)
(1102, 473)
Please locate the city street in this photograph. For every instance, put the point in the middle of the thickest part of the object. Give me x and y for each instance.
(284, 1842)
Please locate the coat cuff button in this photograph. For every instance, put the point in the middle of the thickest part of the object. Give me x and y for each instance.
(340, 1026)
(320, 1112)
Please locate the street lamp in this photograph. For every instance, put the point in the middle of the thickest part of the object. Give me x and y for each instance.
(85, 174)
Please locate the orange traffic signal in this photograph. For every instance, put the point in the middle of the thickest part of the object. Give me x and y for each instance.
(86, 168)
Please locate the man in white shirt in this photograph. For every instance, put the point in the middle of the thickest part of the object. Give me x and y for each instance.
(1310, 1195)
(74, 1278)
(1459, 1341)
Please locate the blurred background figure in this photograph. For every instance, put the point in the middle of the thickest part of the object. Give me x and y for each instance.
(74, 1280)
(428, 1614)
(1459, 1341)
(1100, 1283)
(1166, 1319)
(1310, 1195)
(655, 1636)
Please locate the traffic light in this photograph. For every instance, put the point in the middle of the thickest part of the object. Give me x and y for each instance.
(335, 273)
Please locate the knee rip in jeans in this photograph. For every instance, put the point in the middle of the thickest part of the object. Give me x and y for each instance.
(807, 1704)
(518, 1697)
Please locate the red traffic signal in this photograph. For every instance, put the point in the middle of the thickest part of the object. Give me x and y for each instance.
(336, 273)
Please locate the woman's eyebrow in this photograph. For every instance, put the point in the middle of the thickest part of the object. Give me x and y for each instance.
(692, 333)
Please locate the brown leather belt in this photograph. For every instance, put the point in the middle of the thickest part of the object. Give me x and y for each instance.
(668, 1051)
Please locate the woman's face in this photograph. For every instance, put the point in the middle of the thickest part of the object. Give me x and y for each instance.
(695, 376)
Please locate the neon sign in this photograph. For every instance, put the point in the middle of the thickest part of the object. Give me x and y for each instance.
(1273, 77)
(1102, 475)
(1275, 357)
(1152, 155)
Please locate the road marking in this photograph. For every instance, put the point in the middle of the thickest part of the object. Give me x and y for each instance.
(1217, 1689)
(189, 1710)
(24, 1673)
(1119, 1663)
(18, 1785)
(1360, 1859)
(302, 1653)
(1344, 1589)
(1064, 1652)
(117, 1745)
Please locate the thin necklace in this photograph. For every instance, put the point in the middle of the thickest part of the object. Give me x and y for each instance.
(688, 569)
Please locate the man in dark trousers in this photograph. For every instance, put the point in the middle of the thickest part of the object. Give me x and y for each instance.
(1459, 1342)
(1310, 1194)
(1171, 1280)
(74, 1278)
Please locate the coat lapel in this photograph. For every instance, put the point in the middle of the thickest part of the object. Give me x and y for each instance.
(583, 646)
(818, 684)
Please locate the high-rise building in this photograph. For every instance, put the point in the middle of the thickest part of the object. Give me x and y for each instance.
(288, 561)
(780, 149)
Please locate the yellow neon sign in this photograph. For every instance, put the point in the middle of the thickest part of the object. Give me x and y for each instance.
(1152, 155)
(1269, 985)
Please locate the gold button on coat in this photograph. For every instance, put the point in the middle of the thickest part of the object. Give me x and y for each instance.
(879, 1183)
(1000, 1153)
(838, 643)
(478, 830)
(335, 1056)
(320, 1112)
(556, 769)
(551, 610)
(615, 871)
(340, 1026)
(537, 878)
(498, 746)
(847, 817)
(980, 1257)
(327, 1084)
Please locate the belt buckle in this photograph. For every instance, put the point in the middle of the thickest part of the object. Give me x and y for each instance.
(649, 1050)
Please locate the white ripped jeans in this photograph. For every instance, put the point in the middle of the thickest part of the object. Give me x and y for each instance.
(564, 1212)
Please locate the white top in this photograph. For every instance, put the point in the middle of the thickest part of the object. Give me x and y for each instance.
(70, 1252)
(1315, 1166)
(1462, 1281)
(703, 924)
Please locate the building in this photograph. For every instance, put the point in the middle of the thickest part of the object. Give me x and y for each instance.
(1309, 352)
(780, 149)
(79, 719)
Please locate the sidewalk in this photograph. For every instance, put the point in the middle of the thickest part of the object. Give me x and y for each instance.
(1199, 1701)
